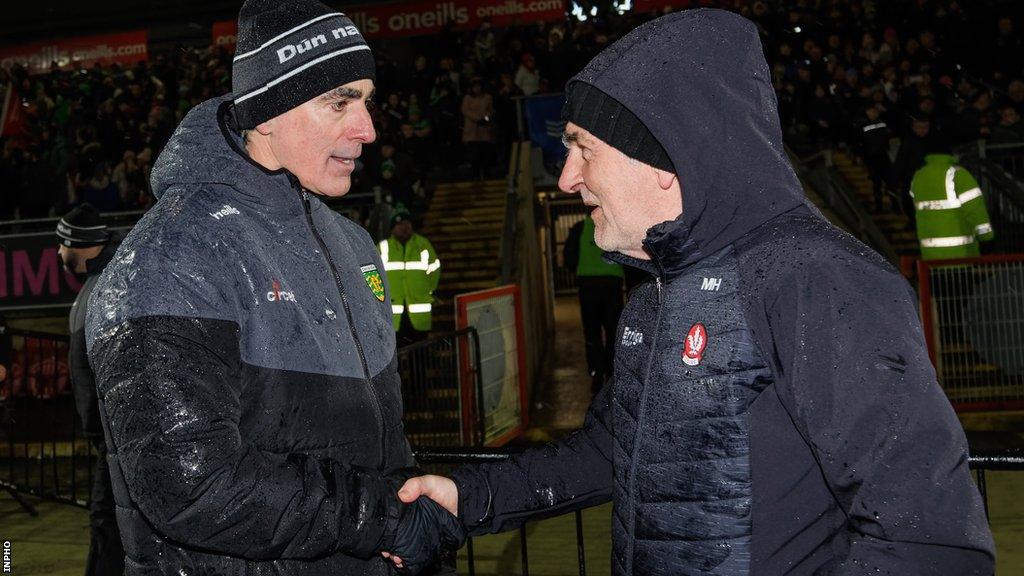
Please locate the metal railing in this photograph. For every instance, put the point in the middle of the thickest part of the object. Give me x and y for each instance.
(510, 228)
(994, 457)
(1009, 156)
(43, 452)
(442, 395)
(818, 172)
(563, 213)
(46, 454)
(1001, 179)
(972, 310)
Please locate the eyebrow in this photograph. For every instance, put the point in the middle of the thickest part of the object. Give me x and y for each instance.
(570, 138)
(346, 93)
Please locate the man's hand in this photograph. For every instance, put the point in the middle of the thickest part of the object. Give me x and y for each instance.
(425, 531)
(438, 488)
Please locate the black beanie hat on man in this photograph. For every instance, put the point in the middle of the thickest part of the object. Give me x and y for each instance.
(289, 52)
(82, 227)
(604, 117)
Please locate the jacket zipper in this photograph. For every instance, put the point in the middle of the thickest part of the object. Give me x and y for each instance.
(378, 413)
(641, 412)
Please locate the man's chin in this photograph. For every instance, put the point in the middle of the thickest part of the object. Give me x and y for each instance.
(336, 189)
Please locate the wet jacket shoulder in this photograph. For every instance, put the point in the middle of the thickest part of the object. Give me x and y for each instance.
(854, 399)
(222, 341)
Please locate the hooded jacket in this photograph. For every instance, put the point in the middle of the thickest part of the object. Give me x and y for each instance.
(773, 409)
(245, 363)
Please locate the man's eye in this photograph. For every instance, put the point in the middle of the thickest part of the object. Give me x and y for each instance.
(339, 106)
(371, 105)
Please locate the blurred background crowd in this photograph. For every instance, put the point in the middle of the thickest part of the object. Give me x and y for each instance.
(856, 74)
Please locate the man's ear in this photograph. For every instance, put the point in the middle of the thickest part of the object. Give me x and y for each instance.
(665, 179)
(265, 128)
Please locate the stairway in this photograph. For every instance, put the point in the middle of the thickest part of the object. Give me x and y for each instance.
(464, 223)
(894, 225)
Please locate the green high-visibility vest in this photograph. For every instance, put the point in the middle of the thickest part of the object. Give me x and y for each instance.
(591, 261)
(413, 271)
(950, 208)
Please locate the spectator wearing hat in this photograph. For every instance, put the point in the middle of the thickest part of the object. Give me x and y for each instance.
(85, 248)
(413, 271)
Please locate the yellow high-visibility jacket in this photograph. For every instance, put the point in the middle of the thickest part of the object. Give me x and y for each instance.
(413, 271)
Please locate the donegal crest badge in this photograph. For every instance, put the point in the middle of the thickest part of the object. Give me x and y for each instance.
(374, 281)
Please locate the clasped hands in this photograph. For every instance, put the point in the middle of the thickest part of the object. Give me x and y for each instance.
(428, 525)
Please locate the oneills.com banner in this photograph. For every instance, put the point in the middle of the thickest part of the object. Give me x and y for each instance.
(37, 57)
(420, 18)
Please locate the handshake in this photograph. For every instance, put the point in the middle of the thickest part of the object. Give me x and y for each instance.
(428, 525)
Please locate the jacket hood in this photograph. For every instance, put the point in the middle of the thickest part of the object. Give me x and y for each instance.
(939, 159)
(205, 149)
(699, 81)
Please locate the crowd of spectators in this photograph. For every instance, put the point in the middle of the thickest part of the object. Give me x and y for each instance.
(92, 134)
(848, 73)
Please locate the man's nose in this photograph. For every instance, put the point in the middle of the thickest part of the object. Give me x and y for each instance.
(571, 176)
(362, 129)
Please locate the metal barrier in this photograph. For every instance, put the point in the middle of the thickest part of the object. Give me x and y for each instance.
(972, 310)
(46, 454)
(563, 213)
(1010, 156)
(1004, 198)
(436, 388)
(1006, 457)
(43, 452)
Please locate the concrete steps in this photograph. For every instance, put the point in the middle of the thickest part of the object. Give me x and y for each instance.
(895, 226)
(464, 223)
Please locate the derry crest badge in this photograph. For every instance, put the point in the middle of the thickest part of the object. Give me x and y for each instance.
(696, 341)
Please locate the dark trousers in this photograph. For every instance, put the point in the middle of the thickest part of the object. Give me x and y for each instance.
(106, 554)
(600, 308)
(406, 334)
(879, 169)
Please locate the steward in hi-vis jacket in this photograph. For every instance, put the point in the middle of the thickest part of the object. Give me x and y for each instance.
(413, 271)
(951, 213)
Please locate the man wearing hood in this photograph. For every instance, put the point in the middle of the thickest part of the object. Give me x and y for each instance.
(773, 409)
(241, 336)
(85, 248)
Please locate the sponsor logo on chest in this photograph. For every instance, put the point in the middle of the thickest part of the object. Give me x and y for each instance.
(631, 337)
(276, 294)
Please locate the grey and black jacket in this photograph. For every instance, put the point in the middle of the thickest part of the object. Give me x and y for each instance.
(773, 409)
(246, 369)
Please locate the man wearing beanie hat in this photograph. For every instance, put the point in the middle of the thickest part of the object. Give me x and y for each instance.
(773, 408)
(241, 337)
(85, 247)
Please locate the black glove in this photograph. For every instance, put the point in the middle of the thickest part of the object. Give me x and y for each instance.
(424, 531)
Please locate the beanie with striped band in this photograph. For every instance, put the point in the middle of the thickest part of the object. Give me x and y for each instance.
(82, 227)
(291, 52)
